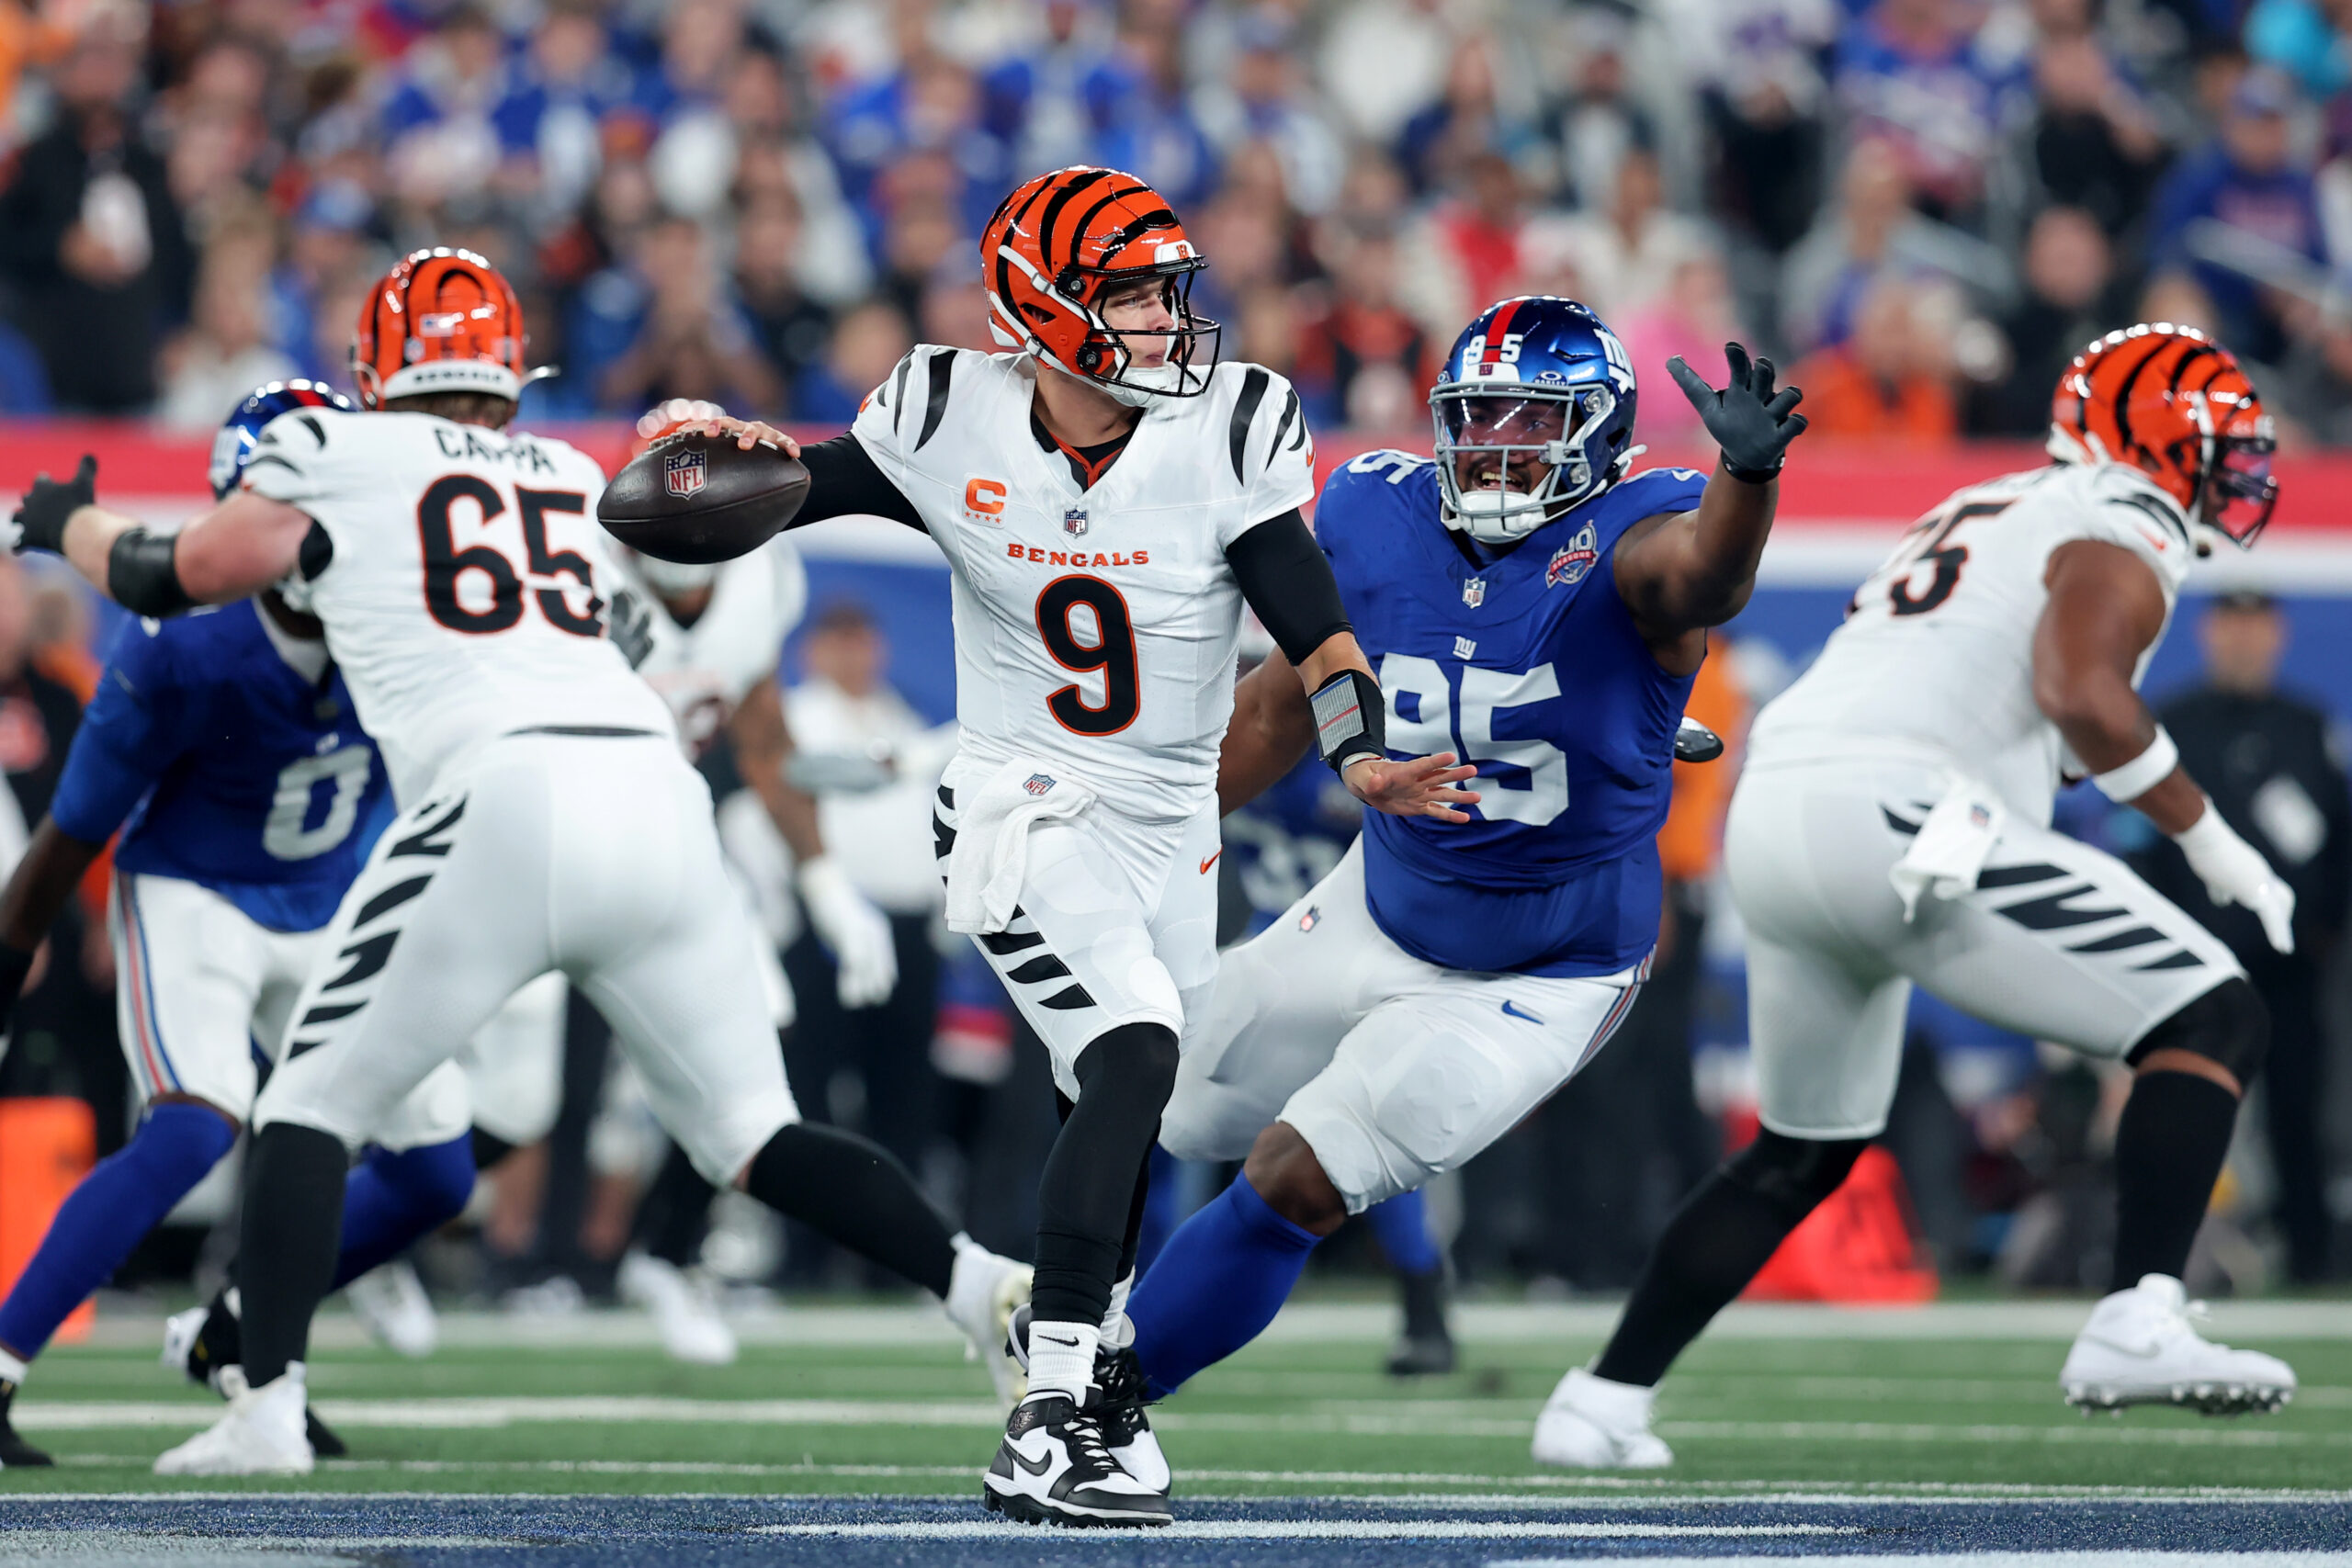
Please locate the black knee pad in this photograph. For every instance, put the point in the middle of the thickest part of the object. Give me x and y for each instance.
(1793, 1174)
(2228, 1024)
(1135, 1061)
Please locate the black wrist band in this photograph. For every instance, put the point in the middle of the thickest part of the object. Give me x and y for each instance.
(1350, 720)
(1754, 476)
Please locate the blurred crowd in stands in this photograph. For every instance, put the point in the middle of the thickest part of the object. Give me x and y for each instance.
(1925, 204)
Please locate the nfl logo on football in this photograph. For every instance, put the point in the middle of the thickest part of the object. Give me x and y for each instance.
(1039, 783)
(1074, 520)
(682, 473)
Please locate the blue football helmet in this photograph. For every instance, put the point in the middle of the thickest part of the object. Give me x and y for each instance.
(1535, 413)
(232, 447)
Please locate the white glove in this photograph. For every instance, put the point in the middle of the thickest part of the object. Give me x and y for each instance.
(2233, 872)
(866, 958)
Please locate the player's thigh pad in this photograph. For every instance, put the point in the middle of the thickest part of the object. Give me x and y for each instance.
(1826, 1043)
(447, 919)
(1434, 1075)
(1079, 956)
(513, 1064)
(191, 970)
(652, 931)
(1283, 1002)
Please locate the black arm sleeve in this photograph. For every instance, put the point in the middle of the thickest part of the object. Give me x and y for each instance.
(142, 577)
(844, 482)
(1285, 578)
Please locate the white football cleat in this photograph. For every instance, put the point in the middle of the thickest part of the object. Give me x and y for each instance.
(391, 1302)
(1053, 1468)
(2141, 1346)
(982, 1295)
(684, 1309)
(261, 1435)
(1590, 1423)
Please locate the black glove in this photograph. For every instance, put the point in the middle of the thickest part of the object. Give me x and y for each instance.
(41, 521)
(1753, 426)
(628, 621)
(15, 965)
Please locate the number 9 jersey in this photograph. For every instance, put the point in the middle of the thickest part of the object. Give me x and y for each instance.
(1531, 667)
(461, 575)
(1096, 625)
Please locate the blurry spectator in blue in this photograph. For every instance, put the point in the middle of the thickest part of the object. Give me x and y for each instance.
(1048, 100)
(689, 340)
(868, 343)
(89, 234)
(1764, 98)
(2070, 297)
(24, 383)
(1363, 360)
(924, 226)
(1264, 99)
(790, 328)
(1920, 74)
(1151, 132)
(327, 240)
(2248, 195)
(2311, 39)
(931, 105)
(2095, 141)
(695, 161)
(1469, 119)
(557, 94)
(1598, 118)
(438, 139)
(1873, 229)
(830, 254)
(699, 39)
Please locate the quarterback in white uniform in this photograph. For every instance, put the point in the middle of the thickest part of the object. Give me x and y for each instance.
(548, 821)
(1892, 830)
(1107, 498)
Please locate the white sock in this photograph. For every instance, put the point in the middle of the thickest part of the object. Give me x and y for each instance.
(12, 1370)
(1118, 1332)
(1061, 1357)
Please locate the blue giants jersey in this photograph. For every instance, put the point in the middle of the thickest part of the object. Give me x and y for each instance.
(1531, 667)
(225, 766)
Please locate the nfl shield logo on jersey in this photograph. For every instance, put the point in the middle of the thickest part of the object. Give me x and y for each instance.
(1572, 560)
(682, 473)
(1474, 593)
(1039, 783)
(1074, 520)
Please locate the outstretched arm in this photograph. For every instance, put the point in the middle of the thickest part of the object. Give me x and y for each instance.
(1682, 573)
(239, 548)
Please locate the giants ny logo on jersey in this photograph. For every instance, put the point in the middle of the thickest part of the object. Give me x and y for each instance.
(684, 473)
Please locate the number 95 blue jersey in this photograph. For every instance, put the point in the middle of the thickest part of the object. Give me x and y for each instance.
(1530, 666)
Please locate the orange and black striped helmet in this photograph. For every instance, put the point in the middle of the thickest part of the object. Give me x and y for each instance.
(441, 321)
(2172, 402)
(1052, 250)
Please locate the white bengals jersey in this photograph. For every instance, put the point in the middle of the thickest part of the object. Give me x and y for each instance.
(704, 670)
(1936, 656)
(464, 593)
(1096, 625)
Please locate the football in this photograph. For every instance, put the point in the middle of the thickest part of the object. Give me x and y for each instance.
(696, 499)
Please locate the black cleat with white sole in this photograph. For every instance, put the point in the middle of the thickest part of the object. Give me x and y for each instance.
(1052, 1468)
(1121, 1394)
(15, 1452)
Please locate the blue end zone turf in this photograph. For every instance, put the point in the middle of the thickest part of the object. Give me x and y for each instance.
(720, 1532)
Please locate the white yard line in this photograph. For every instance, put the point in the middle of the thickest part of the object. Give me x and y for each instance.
(1304, 1530)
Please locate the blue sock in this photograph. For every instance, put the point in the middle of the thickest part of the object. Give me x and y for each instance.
(1219, 1283)
(1402, 1225)
(392, 1200)
(101, 1220)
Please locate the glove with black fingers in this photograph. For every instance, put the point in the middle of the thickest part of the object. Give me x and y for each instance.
(40, 519)
(628, 621)
(1751, 422)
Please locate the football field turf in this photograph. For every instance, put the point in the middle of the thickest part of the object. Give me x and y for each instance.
(856, 1435)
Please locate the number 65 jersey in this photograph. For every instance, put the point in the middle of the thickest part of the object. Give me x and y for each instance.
(1935, 661)
(1096, 625)
(461, 576)
(1531, 667)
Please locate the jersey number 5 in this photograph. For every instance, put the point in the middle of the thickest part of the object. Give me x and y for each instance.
(445, 563)
(1502, 797)
(1072, 605)
(1935, 549)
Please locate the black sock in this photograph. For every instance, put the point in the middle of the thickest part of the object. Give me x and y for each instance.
(286, 1249)
(1721, 1238)
(858, 1196)
(2168, 1153)
(673, 1217)
(1083, 1218)
(1131, 1246)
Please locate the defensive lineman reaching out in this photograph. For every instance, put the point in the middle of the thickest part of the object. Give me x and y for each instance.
(548, 821)
(1892, 827)
(1107, 498)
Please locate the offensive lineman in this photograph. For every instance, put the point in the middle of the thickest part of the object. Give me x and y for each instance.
(548, 821)
(1107, 498)
(1534, 603)
(1892, 828)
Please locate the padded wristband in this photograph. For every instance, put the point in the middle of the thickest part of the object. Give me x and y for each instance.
(2143, 773)
(1350, 720)
(141, 576)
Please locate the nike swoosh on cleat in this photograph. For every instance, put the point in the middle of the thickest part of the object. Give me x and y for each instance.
(1211, 860)
(1039, 1468)
(1510, 1011)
